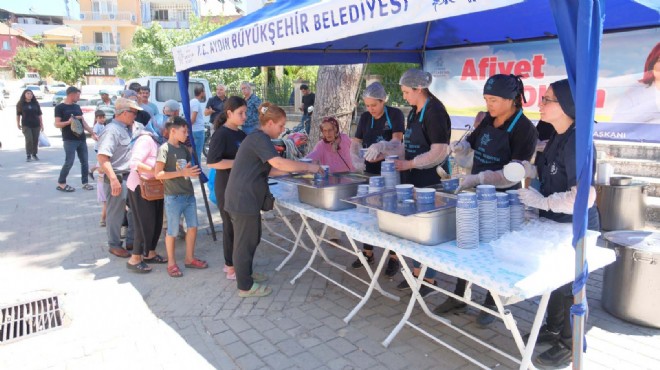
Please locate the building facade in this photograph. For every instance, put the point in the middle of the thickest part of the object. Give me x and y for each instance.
(10, 40)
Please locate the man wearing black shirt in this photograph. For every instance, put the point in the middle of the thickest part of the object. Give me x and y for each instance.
(216, 104)
(73, 143)
(308, 101)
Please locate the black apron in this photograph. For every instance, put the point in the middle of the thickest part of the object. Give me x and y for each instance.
(554, 178)
(493, 150)
(372, 136)
(416, 143)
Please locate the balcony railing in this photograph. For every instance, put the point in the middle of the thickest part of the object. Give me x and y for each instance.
(169, 24)
(119, 16)
(101, 48)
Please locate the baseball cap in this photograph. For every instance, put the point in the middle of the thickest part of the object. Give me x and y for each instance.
(106, 92)
(123, 104)
(72, 90)
(129, 93)
(172, 105)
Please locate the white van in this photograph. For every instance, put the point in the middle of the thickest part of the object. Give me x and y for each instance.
(31, 78)
(164, 88)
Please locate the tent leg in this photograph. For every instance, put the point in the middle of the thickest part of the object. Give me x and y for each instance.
(208, 212)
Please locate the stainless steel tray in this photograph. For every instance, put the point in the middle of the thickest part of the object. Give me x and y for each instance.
(326, 194)
(427, 224)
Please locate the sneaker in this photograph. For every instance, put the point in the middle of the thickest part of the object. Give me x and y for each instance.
(558, 356)
(484, 319)
(545, 336)
(358, 264)
(29, 158)
(404, 285)
(392, 267)
(34, 156)
(450, 305)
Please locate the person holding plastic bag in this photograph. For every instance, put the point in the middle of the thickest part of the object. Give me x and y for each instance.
(425, 145)
(379, 123)
(558, 177)
(224, 144)
(504, 135)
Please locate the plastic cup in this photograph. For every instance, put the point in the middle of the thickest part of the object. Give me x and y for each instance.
(425, 195)
(363, 152)
(404, 192)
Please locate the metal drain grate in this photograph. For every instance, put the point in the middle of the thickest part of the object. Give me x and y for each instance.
(29, 318)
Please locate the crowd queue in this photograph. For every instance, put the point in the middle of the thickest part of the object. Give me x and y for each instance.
(136, 144)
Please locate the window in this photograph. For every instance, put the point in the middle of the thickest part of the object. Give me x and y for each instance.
(160, 15)
(104, 6)
(166, 90)
(106, 38)
(6, 45)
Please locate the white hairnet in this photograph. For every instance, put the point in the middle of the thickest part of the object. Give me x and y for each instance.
(375, 91)
(416, 79)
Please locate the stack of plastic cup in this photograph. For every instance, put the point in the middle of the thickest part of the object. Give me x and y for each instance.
(516, 210)
(376, 184)
(362, 189)
(503, 214)
(391, 157)
(467, 221)
(487, 213)
(390, 174)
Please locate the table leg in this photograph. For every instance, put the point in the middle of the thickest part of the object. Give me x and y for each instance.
(317, 248)
(533, 334)
(410, 278)
(374, 283)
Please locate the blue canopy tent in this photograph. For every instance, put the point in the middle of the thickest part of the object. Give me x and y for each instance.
(319, 32)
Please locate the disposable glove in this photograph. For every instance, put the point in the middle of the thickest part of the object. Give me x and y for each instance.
(468, 182)
(532, 198)
(530, 170)
(557, 202)
(432, 158)
(460, 147)
(393, 147)
(358, 162)
(374, 151)
(495, 178)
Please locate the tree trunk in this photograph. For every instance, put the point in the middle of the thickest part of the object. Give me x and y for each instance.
(336, 88)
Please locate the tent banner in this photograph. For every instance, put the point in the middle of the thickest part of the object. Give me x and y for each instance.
(627, 99)
(326, 20)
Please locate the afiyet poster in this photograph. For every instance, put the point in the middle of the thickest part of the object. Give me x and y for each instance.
(628, 96)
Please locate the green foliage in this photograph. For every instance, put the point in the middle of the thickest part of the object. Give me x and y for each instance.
(68, 66)
(391, 73)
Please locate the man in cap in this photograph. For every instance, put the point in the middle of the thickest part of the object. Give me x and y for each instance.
(106, 104)
(114, 155)
(216, 104)
(74, 143)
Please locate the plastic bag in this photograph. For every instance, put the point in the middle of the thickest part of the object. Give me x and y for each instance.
(211, 185)
(43, 140)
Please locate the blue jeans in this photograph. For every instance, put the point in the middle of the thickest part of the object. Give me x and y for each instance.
(71, 147)
(198, 136)
(430, 273)
(177, 205)
(306, 122)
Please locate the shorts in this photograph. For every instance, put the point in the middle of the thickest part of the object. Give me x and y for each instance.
(177, 205)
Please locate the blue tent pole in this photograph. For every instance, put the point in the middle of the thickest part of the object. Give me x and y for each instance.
(183, 79)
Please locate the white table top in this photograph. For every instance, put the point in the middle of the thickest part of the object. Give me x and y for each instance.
(481, 266)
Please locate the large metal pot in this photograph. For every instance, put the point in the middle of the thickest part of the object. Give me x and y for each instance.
(621, 207)
(631, 285)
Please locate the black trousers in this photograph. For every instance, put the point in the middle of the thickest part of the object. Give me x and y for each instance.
(369, 247)
(31, 139)
(227, 237)
(148, 221)
(247, 235)
(460, 289)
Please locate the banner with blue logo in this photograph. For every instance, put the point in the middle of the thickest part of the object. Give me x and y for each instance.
(628, 96)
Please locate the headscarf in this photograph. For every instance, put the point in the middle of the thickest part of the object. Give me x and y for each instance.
(564, 95)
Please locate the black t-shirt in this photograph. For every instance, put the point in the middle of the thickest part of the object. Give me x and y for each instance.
(143, 117)
(64, 112)
(545, 130)
(522, 139)
(370, 135)
(218, 105)
(248, 181)
(308, 101)
(30, 113)
(224, 145)
(436, 122)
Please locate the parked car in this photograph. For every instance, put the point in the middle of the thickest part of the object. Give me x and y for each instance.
(58, 97)
(88, 104)
(164, 88)
(56, 87)
(36, 90)
(31, 78)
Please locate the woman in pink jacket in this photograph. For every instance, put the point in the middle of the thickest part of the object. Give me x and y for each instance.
(147, 214)
(334, 148)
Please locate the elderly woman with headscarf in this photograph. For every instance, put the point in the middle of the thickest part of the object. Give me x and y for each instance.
(379, 123)
(558, 177)
(333, 150)
(147, 214)
(504, 135)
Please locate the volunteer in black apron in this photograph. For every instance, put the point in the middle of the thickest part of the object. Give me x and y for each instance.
(505, 134)
(426, 143)
(380, 123)
(558, 177)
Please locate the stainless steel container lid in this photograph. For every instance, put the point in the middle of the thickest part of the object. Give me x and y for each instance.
(334, 179)
(647, 241)
(387, 201)
(620, 180)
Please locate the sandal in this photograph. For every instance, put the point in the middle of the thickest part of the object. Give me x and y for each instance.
(155, 259)
(174, 271)
(87, 187)
(256, 291)
(259, 277)
(141, 267)
(67, 188)
(197, 264)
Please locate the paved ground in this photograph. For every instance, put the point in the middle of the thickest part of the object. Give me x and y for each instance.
(50, 243)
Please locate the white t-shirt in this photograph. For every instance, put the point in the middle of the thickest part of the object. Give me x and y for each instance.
(197, 106)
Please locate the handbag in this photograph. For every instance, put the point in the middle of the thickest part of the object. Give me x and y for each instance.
(151, 189)
(269, 202)
(76, 127)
